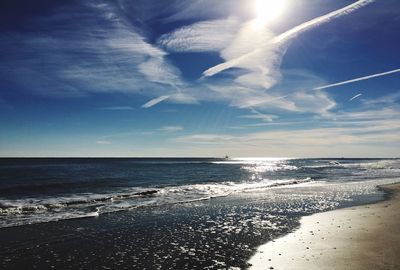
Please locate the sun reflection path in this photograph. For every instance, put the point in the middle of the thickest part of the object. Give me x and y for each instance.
(259, 166)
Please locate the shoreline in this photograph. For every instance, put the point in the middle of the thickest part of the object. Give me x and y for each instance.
(359, 237)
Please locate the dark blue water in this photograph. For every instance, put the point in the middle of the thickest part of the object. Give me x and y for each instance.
(26, 177)
(41, 190)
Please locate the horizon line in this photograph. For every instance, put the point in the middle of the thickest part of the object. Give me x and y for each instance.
(183, 157)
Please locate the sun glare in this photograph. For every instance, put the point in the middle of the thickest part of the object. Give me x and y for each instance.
(268, 10)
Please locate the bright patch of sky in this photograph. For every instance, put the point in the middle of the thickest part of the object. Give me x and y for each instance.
(200, 78)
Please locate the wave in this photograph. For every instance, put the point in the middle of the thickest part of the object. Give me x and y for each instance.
(39, 205)
(373, 165)
(376, 165)
(113, 195)
(251, 161)
(36, 210)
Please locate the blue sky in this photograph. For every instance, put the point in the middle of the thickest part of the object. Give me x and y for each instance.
(200, 78)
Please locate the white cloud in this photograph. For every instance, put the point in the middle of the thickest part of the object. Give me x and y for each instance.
(294, 97)
(261, 67)
(157, 70)
(292, 138)
(260, 116)
(117, 56)
(359, 133)
(154, 101)
(242, 97)
(318, 102)
(171, 128)
(366, 115)
(209, 139)
(344, 141)
(203, 36)
(389, 99)
(102, 142)
(258, 53)
(278, 40)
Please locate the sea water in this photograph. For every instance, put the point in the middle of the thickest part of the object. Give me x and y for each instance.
(168, 213)
(42, 190)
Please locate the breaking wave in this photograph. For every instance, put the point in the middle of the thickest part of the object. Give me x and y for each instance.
(34, 210)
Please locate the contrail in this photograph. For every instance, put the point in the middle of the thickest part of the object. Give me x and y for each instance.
(356, 96)
(289, 34)
(358, 79)
(154, 101)
(320, 20)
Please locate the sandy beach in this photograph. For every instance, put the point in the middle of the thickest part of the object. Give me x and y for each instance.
(362, 237)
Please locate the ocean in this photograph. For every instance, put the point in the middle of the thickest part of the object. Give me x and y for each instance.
(168, 213)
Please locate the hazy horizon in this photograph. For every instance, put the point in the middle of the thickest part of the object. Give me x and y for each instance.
(193, 157)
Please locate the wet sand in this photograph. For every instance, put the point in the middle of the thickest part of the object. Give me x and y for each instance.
(362, 237)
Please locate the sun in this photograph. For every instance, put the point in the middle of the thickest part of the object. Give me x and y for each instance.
(268, 10)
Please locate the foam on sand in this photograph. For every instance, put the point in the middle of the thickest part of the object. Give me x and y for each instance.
(363, 237)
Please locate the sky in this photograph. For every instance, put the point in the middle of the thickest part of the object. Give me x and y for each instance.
(200, 78)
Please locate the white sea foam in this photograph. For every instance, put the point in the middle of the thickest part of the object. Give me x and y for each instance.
(364, 176)
(33, 210)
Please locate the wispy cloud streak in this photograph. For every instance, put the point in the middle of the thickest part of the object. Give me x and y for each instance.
(205, 36)
(356, 96)
(154, 101)
(321, 20)
(98, 49)
(288, 35)
(171, 128)
(386, 100)
(362, 132)
(358, 79)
